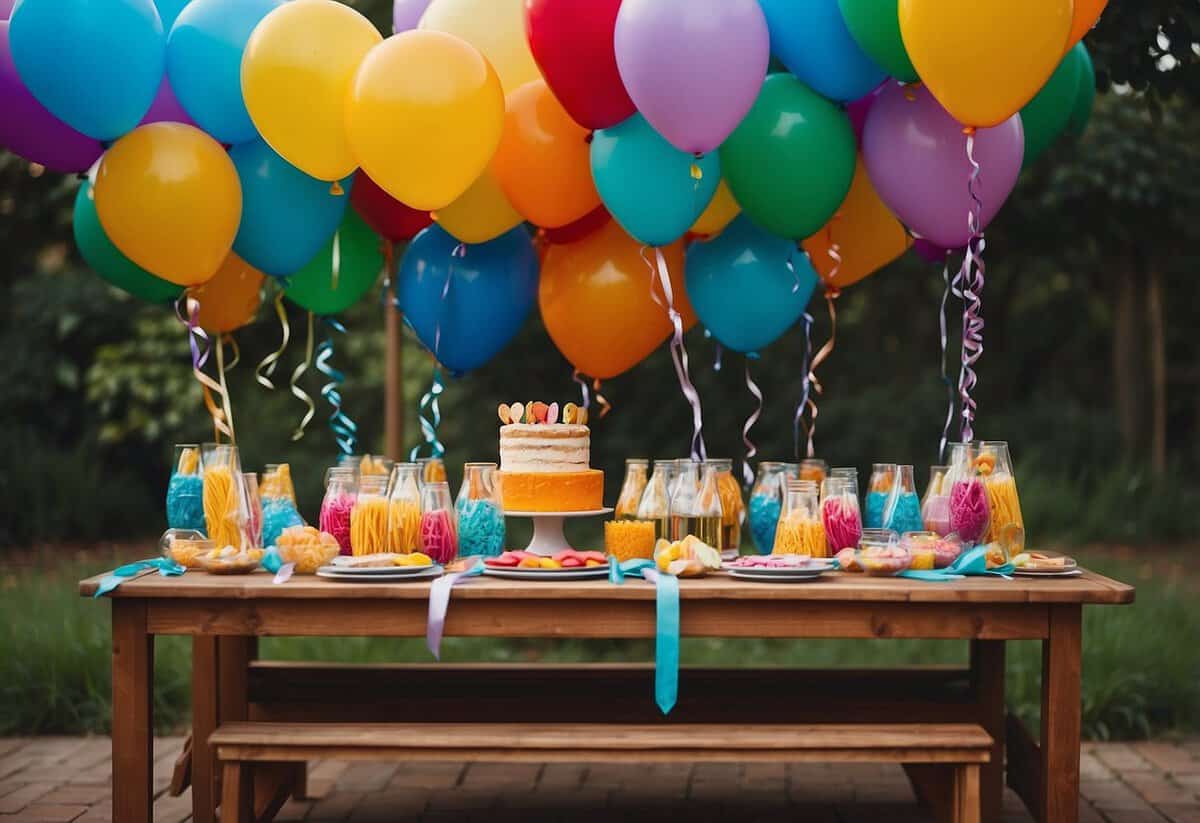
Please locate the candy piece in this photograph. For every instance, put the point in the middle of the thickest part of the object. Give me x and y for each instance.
(505, 414)
(592, 563)
(517, 412)
(504, 561)
(597, 556)
(571, 562)
(552, 414)
(539, 412)
(570, 414)
(550, 563)
(530, 563)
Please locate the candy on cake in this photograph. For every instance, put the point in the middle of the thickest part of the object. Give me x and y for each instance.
(544, 465)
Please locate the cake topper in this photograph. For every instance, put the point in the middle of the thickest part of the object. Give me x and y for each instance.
(535, 412)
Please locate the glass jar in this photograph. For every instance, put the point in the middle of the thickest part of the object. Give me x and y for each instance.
(225, 507)
(278, 499)
(337, 506)
(369, 517)
(480, 512)
(696, 504)
(404, 509)
(185, 547)
(733, 508)
(814, 470)
(185, 491)
(637, 475)
(970, 509)
(254, 511)
(800, 530)
(935, 505)
(655, 504)
(1006, 525)
(846, 473)
(882, 554)
(439, 532)
(883, 477)
(840, 514)
(766, 501)
(350, 461)
(433, 470)
(902, 512)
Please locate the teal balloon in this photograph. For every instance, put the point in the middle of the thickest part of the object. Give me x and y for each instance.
(748, 286)
(106, 259)
(321, 289)
(168, 10)
(1046, 116)
(875, 26)
(647, 184)
(1085, 95)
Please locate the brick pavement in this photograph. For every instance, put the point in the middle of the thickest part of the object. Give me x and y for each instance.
(67, 779)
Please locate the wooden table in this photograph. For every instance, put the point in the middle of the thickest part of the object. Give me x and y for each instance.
(225, 615)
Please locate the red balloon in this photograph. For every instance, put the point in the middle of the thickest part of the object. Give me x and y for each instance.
(572, 42)
(386, 215)
(594, 220)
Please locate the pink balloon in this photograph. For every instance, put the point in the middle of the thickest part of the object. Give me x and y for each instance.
(932, 252)
(406, 14)
(692, 69)
(166, 107)
(916, 157)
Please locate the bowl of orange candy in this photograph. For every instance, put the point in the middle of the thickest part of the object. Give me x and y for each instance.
(307, 548)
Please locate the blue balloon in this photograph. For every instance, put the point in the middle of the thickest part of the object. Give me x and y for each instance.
(95, 66)
(287, 216)
(748, 286)
(204, 63)
(812, 40)
(647, 184)
(493, 287)
(168, 10)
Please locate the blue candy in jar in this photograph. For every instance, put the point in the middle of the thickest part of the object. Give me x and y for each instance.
(185, 502)
(905, 515)
(764, 517)
(480, 528)
(873, 516)
(279, 513)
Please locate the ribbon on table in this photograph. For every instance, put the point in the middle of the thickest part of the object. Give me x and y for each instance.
(751, 449)
(187, 309)
(166, 568)
(345, 430)
(679, 357)
(273, 563)
(666, 634)
(950, 287)
(439, 602)
(266, 367)
(971, 563)
(972, 290)
(430, 414)
(294, 383)
(805, 385)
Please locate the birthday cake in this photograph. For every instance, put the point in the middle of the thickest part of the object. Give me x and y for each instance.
(544, 461)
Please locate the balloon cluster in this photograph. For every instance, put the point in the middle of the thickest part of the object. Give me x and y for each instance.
(536, 151)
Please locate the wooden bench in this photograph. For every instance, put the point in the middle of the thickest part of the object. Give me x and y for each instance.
(960, 747)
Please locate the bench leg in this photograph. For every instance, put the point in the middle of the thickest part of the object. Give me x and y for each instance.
(300, 782)
(966, 793)
(237, 793)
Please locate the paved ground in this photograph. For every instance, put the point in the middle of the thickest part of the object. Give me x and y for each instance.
(67, 779)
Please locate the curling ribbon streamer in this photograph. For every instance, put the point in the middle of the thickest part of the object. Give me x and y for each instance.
(951, 287)
(429, 424)
(601, 400)
(832, 293)
(805, 385)
(717, 357)
(751, 449)
(222, 368)
(578, 377)
(266, 367)
(188, 311)
(294, 383)
(679, 357)
(439, 603)
(972, 289)
(345, 430)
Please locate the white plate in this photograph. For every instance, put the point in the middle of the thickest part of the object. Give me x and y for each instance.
(371, 571)
(768, 571)
(588, 513)
(777, 578)
(593, 573)
(1035, 573)
(427, 574)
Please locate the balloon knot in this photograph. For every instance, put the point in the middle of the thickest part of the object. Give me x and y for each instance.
(910, 93)
(336, 189)
(697, 173)
(969, 131)
(832, 292)
(587, 138)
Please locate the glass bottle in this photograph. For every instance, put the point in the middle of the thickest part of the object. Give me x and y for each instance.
(404, 509)
(337, 506)
(637, 475)
(655, 504)
(678, 467)
(883, 477)
(902, 512)
(696, 504)
(433, 470)
(935, 505)
(439, 532)
(185, 491)
(970, 509)
(800, 530)
(480, 513)
(350, 461)
(254, 511)
(766, 503)
(733, 508)
(840, 514)
(278, 499)
(369, 517)
(846, 473)
(375, 465)
(1006, 526)
(225, 506)
(814, 470)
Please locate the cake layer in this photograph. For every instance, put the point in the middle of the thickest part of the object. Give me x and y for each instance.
(552, 492)
(556, 448)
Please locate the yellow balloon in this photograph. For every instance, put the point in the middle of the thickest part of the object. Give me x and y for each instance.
(424, 117)
(985, 59)
(296, 72)
(231, 298)
(168, 196)
(495, 27)
(718, 214)
(481, 214)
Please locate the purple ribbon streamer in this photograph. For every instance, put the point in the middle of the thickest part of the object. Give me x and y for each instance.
(805, 385)
(751, 449)
(439, 602)
(583, 388)
(679, 357)
(972, 289)
(951, 287)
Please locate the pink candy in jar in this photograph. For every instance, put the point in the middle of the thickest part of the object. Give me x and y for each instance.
(969, 509)
(842, 521)
(438, 538)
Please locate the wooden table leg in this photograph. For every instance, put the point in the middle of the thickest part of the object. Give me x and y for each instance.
(132, 713)
(1061, 674)
(987, 685)
(233, 685)
(966, 793)
(204, 723)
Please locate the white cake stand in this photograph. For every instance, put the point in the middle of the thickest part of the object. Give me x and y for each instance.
(548, 536)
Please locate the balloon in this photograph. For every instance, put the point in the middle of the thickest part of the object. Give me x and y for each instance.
(916, 157)
(6, 7)
(647, 184)
(481, 214)
(496, 28)
(204, 62)
(296, 70)
(875, 26)
(385, 215)
(720, 212)
(230, 299)
(1085, 94)
(168, 11)
(867, 235)
(591, 222)
(491, 292)
(790, 162)
(106, 259)
(985, 59)
(169, 198)
(1084, 15)
(425, 143)
(858, 110)
(597, 303)
(95, 66)
(748, 286)
(166, 107)
(572, 42)
(406, 14)
(29, 130)
(542, 162)
(693, 69)
(812, 40)
(287, 216)
(1047, 115)
(322, 289)
(932, 252)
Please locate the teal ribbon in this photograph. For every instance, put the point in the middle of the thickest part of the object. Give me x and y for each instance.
(430, 415)
(971, 563)
(166, 567)
(345, 430)
(666, 638)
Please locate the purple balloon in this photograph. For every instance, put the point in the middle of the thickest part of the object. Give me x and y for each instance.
(916, 157)
(858, 109)
(932, 252)
(166, 107)
(407, 13)
(693, 69)
(29, 130)
(6, 7)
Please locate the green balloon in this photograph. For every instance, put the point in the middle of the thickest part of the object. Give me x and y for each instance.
(1045, 117)
(108, 261)
(790, 162)
(875, 26)
(360, 260)
(1085, 95)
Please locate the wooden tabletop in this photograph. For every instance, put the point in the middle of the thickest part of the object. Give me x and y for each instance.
(1088, 588)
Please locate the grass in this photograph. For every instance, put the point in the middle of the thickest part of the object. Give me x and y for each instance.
(1141, 663)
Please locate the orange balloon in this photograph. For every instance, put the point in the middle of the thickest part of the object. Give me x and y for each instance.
(868, 236)
(544, 160)
(231, 298)
(1087, 12)
(596, 301)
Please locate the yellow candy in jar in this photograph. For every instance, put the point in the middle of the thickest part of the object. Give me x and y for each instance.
(629, 539)
(404, 526)
(221, 514)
